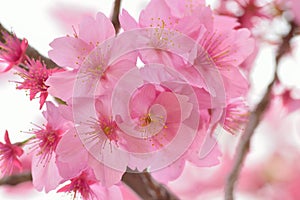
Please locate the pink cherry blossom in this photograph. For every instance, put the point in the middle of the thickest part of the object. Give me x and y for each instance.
(73, 158)
(235, 116)
(9, 156)
(44, 170)
(81, 185)
(67, 15)
(219, 41)
(248, 12)
(88, 188)
(71, 51)
(12, 51)
(34, 79)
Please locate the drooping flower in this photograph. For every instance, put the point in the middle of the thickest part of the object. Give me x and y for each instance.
(246, 11)
(81, 185)
(12, 50)
(87, 187)
(218, 44)
(34, 79)
(91, 143)
(9, 156)
(70, 52)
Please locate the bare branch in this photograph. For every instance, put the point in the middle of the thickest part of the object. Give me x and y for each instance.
(115, 15)
(255, 118)
(16, 179)
(146, 187)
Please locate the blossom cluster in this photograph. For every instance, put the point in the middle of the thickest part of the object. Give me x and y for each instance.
(151, 98)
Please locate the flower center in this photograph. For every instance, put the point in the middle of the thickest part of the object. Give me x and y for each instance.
(107, 130)
(145, 120)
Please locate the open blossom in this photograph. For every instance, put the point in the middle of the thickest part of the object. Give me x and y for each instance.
(71, 51)
(99, 137)
(12, 51)
(34, 79)
(9, 156)
(44, 169)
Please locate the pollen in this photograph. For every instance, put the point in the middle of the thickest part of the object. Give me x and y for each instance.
(108, 130)
(145, 120)
(162, 32)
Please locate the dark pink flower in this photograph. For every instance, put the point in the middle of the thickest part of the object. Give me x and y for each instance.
(12, 51)
(34, 79)
(87, 186)
(9, 154)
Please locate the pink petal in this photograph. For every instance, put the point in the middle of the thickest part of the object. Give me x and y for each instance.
(142, 100)
(69, 51)
(55, 82)
(127, 21)
(106, 175)
(72, 157)
(45, 175)
(96, 31)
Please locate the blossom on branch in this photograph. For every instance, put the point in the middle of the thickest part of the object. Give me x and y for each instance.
(12, 51)
(35, 77)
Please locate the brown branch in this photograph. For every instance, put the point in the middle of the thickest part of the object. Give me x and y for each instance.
(115, 15)
(16, 179)
(255, 118)
(31, 52)
(146, 187)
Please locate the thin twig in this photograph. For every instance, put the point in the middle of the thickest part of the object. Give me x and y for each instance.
(115, 15)
(255, 118)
